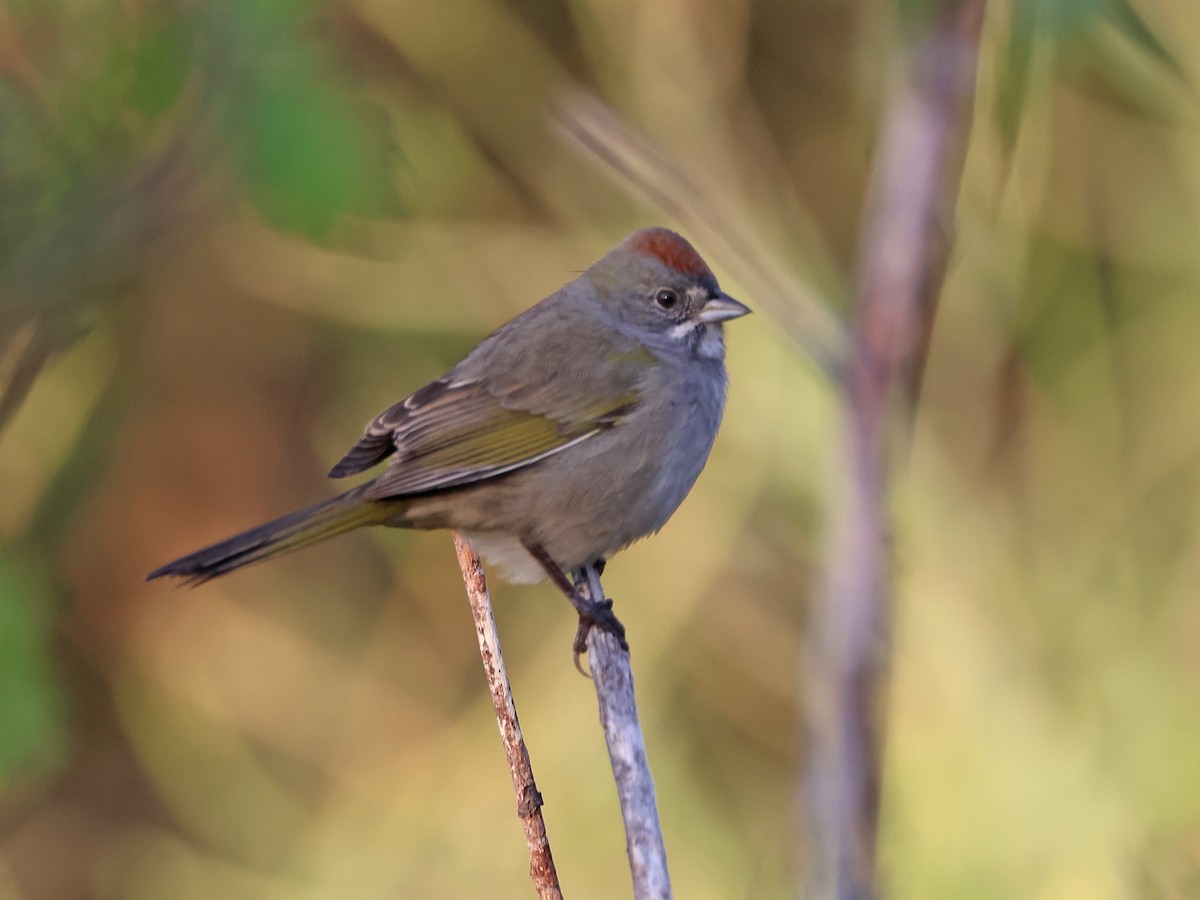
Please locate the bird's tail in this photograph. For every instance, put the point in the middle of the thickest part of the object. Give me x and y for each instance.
(283, 535)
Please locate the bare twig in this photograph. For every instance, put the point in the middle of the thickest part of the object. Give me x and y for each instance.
(903, 258)
(613, 676)
(529, 800)
(622, 733)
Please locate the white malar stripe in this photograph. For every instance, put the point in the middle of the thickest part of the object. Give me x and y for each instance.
(683, 329)
(711, 344)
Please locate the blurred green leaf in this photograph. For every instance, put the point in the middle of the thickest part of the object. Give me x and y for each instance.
(1052, 335)
(306, 150)
(1122, 64)
(1013, 81)
(32, 724)
(1093, 43)
(915, 13)
(306, 156)
(1129, 23)
(162, 61)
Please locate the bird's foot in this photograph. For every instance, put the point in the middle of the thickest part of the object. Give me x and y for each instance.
(592, 613)
(595, 614)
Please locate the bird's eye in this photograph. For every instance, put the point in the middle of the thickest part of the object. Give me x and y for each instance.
(666, 298)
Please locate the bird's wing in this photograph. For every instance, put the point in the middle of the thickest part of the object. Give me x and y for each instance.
(464, 428)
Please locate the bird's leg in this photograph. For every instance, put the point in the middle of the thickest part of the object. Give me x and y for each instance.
(592, 613)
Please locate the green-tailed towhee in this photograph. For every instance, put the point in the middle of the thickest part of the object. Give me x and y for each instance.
(570, 432)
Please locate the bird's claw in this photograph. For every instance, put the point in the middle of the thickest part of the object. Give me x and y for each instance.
(597, 614)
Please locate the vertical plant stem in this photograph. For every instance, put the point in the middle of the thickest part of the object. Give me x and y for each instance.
(903, 256)
(613, 676)
(529, 800)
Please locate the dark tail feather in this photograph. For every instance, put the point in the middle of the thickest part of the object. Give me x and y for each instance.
(283, 535)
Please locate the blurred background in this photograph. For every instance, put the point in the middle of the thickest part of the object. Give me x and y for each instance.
(232, 232)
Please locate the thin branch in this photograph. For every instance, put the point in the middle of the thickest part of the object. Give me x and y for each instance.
(529, 800)
(903, 259)
(613, 677)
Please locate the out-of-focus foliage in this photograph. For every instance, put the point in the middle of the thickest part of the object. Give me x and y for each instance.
(113, 115)
(29, 703)
(231, 232)
(1104, 47)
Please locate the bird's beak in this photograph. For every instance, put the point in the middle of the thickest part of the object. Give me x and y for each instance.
(721, 308)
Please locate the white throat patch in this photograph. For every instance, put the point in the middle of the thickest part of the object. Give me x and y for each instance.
(712, 344)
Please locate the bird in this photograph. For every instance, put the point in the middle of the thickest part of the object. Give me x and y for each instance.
(573, 430)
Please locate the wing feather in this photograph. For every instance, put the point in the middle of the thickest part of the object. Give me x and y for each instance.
(466, 427)
(452, 434)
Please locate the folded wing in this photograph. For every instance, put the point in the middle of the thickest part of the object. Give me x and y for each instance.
(451, 433)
